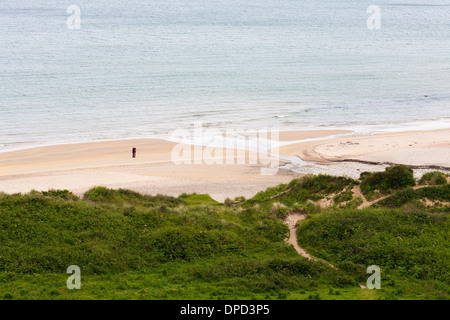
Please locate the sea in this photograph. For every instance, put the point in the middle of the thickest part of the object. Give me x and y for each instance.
(85, 70)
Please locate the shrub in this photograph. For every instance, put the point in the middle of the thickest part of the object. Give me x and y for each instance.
(433, 178)
(279, 210)
(399, 199)
(282, 295)
(228, 202)
(194, 198)
(293, 266)
(393, 178)
(341, 280)
(353, 204)
(64, 194)
(315, 296)
(321, 185)
(122, 196)
(408, 243)
(411, 197)
(312, 207)
(344, 196)
(272, 229)
(8, 296)
(441, 193)
(188, 243)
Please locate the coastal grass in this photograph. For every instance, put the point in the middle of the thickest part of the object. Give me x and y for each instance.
(437, 196)
(377, 184)
(133, 246)
(410, 247)
(433, 178)
(302, 194)
(130, 246)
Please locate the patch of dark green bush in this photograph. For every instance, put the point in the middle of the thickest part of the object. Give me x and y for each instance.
(123, 196)
(410, 244)
(344, 196)
(411, 197)
(433, 178)
(64, 194)
(299, 191)
(393, 178)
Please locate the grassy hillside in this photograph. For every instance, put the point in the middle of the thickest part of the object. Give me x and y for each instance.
(133, 246)
(411, 248)
(140, 247)
(438, 196)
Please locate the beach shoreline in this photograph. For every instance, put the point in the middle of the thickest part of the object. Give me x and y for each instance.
(81, 166)
(415, 148)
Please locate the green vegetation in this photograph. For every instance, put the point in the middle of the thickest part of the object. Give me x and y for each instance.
(149, 247)
(301, 194)
(433, 178)
(123, 197)
(133, 246)
(411, 248)
(376, 184)
(411, 198)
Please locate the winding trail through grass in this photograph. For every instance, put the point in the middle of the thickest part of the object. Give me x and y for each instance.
(291, 221)
(366, 203)
(357, 193)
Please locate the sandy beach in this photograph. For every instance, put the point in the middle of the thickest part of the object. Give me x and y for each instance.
(81, 166)
(415, 148)
(353, 154)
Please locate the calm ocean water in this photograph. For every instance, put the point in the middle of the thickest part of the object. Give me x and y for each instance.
(144, 68)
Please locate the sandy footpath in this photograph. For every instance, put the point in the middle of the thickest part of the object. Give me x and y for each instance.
(81, 166)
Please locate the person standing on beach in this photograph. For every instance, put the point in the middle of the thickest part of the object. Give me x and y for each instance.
(134, 152)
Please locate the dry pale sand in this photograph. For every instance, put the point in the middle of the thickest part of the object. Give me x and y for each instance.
(84, 155)
(79, 167)
(415, 148)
